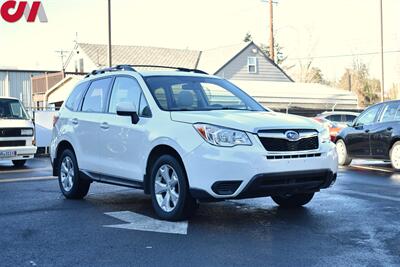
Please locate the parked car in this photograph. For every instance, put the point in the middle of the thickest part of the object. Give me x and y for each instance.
(375, 134)
(336, 121)
(17, 142)
(184, 136)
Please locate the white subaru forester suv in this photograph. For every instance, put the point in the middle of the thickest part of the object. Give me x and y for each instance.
(183, 137)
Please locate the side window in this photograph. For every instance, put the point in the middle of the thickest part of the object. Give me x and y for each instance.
(76, 96)
(125, 89)
(144, 108)
(349, 118)
(96, 97)
(334, 118)
(389, 112)
(252, 64)
(368, 116)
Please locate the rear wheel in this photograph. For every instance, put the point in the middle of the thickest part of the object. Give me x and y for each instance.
(293, 201)
(343, 157)
(19, 163)
(71, 185)
(170, 190)
(395, 156)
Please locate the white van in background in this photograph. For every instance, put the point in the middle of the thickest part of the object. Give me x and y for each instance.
(17, 141)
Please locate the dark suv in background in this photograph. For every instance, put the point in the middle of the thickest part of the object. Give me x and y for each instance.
(375, 134)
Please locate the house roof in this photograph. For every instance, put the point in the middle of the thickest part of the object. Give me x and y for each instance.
(142, 55)
(213, 60)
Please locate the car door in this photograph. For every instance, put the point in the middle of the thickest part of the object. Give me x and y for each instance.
(89, 123)
(381, 133)
(122, 142)
(358, 137)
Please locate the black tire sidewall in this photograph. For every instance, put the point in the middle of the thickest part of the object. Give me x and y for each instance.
(75, 190)
(179, 212)
(19, 163)
(293, 201)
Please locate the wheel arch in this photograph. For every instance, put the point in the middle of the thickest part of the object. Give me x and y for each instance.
(155, 153)
(63, 145)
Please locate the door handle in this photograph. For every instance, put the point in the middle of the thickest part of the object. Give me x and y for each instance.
(366, 131)
(389, 129)
(75, 121)
(104, 126)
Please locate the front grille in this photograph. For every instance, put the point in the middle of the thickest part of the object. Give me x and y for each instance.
(12, 143)
(276, 140)
(11, 132)
(301, 156)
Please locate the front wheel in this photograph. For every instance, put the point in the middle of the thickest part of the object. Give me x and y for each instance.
(293, 201)
(72, 186)
(395, 156)
(19, 163)
(170, 190)
(343, 156)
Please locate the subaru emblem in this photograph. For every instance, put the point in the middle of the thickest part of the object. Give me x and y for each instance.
(292, 135)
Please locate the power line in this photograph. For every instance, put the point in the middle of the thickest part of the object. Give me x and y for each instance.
(346, 55)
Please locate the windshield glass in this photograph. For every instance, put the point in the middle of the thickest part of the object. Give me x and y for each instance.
(12, 109)
(182, 93)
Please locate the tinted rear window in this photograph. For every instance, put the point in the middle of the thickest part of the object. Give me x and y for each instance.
(75, 97)
(96, 97)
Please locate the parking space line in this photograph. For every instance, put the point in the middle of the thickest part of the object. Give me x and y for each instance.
(373, 195)
(27, 179)
(371, 168)
(26, 170)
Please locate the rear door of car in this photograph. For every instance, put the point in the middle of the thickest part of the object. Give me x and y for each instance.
(381, 132)
(358, 137)
(88, 124)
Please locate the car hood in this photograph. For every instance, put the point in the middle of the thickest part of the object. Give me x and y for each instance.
(246, 120)
(15, 123)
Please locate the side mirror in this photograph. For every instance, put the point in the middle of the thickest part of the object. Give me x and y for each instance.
(129, 110)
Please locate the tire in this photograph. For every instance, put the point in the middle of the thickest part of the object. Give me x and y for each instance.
(71, 185)
(293, 201)
(168, 182)
(343, 157)
(19, 163)
(395, 156)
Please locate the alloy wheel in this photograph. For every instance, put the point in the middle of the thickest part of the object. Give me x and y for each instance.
(67, 174)
(167, 188)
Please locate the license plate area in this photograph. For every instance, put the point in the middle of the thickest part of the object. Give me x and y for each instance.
(8, 154)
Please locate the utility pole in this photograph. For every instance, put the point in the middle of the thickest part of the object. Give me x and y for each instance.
(382, 59)
(109, 48)
(62, 55)
(271, 31)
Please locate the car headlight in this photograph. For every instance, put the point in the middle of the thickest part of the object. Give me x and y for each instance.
(220, 136)
(325, 135)
(27, 132)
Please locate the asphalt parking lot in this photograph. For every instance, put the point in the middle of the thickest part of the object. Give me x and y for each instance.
(355, 223)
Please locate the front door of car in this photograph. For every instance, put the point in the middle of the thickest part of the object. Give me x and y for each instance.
(123, 143)
(358, 138)
(88, 123)
(381, 133)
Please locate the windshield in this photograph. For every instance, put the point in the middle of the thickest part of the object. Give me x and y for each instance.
(182, 93)
(12, 109)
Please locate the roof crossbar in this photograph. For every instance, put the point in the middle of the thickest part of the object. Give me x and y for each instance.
(115, 68)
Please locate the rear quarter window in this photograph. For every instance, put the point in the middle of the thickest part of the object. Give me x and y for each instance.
(75, 97)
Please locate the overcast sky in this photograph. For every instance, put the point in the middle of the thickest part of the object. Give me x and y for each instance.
(316, 28)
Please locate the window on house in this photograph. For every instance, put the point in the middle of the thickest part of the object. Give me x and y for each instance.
(252, 64)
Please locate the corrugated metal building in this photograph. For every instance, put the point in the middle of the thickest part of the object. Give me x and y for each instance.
(17, 83)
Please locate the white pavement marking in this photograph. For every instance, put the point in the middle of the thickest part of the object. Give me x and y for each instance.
(27, 179)
(27, 170)
(371, 168)
(143, 223)
(351, 192)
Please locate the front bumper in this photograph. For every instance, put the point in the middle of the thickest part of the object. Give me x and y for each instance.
(22, 152)
(251, 171)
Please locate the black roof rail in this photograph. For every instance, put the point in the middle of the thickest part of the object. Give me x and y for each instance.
(115, 68)
(170, 67)
(131, 68)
